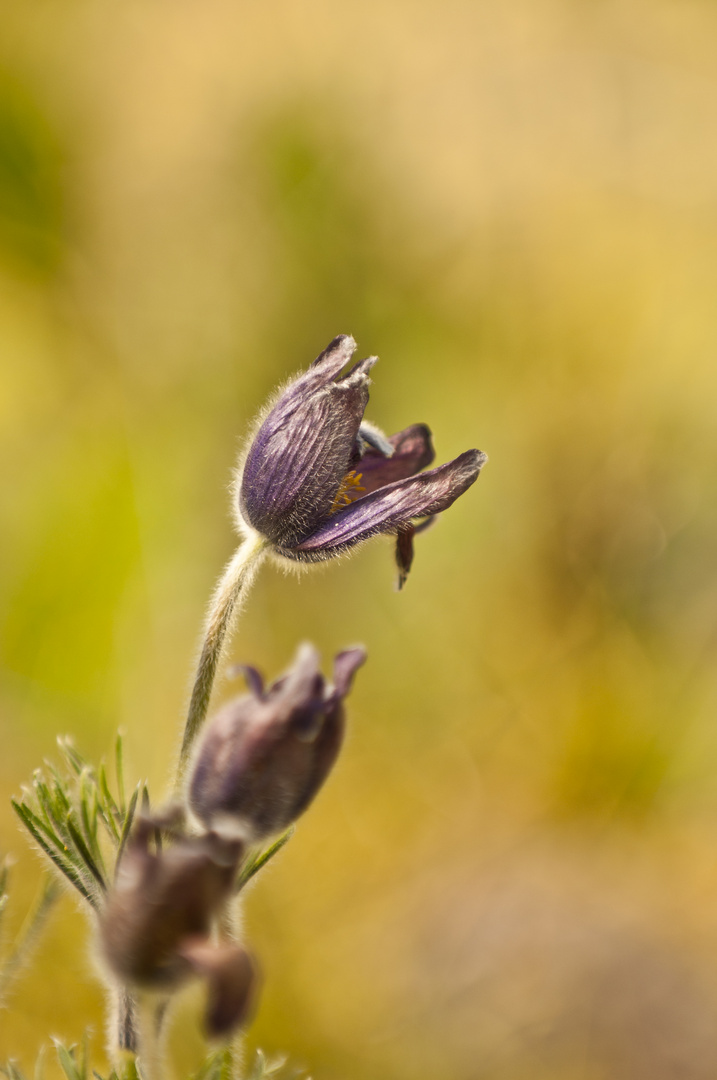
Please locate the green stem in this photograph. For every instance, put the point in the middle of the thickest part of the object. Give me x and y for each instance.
(235, 580)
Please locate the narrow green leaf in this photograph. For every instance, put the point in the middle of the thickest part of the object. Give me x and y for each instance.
(85, 854)
(119, 769)
(74, 759)
(11, 1070)
(39, 1070)
(28, 934)
(255, 863)
(114, 815)
(4, 875)
(60, 794)
(129, 1069)
(53, 837)
(67, 1062)
(50, 806)
(62, 840)
(105, 818)
(88, 816)
(59, 859)
(83, 1057)
(127, 823)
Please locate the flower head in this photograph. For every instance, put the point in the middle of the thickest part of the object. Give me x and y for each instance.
(264, 756)
(156, 925)
(318, 479)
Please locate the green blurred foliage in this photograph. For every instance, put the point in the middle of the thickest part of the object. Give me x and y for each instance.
(31, 182)
(512, 872)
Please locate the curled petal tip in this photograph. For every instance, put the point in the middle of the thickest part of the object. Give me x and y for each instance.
(342, 347)
(346, 664)
(359, 372)
(252, 676)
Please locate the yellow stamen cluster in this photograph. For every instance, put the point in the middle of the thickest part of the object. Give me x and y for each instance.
(349, 490)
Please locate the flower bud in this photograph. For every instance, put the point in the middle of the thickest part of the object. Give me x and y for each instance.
(162, 899)
(264, 756)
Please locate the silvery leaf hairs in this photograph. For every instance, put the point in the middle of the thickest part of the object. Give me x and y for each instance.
(160, 883)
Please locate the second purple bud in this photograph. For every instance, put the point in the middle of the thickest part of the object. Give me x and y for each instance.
(264, 756)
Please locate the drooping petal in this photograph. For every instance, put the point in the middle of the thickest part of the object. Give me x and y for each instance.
(404, 553)
(231, 976)
(301, 452)
(389, 507)
(412, 452)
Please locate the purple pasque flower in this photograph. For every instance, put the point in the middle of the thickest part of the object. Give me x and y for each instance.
(264, 756)
(158, 921)
(318, 479)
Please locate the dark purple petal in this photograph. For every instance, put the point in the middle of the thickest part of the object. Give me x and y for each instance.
(346, 664)
(231, 977)
(404, 547)
(301, 687)
(412, 451)
(404, 553)
(327, 366)
(397, 504)
(335, 356)
(253, 678)
(325, 749)
(302, 451)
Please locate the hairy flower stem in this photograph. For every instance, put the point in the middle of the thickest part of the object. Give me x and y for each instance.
(134, 1037)
(236, 579)
(124, 1035)
(229, 927)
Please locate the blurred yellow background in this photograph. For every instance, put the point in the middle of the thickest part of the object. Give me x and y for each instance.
(512, 874)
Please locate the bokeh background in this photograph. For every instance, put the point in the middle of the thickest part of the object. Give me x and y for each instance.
(512, 874)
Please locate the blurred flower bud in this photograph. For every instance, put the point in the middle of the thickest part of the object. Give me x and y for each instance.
(161, 909)
(264, 756)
